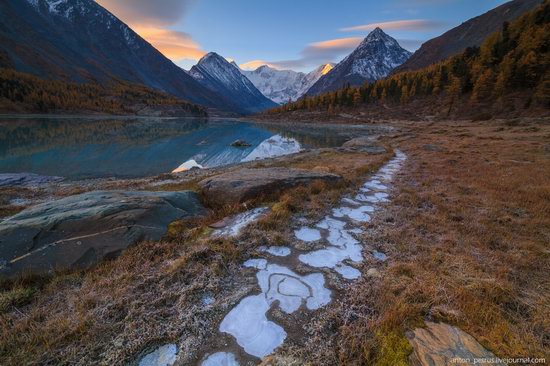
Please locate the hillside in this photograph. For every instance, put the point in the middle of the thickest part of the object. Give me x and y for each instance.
(80, 41)
(470, 33)
(509, 73)
(25, 93)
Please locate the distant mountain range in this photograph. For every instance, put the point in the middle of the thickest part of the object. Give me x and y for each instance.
(217, 74)
(375, 57)
(469, 33)
(78, 40)
(284, 85)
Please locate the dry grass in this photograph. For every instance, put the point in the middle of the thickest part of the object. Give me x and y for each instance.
(468, 237)
(152, 293)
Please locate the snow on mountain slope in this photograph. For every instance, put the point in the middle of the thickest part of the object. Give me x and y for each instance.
(217, 74)
(282, 85)
(376, 56)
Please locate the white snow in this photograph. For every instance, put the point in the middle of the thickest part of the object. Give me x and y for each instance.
(188, 165)
(220, 359)
(307, 234)
(276, 145)
(359, 214)
(162, 356)
(236, 223)
(283, 85)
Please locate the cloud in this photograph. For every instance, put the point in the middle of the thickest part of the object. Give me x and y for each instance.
(148, 12)
(406, 25)
(150, 20)
(173, 44)
(313, 55)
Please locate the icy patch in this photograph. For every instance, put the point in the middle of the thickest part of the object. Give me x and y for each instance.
(233, 225)
(373, 198)
(379, 256)
(307, 234)
(188, 165)
(349, 273)
(220, 359)
(248, 324)
(256, 263)
(375, 184)
(276, 251)
(276, 145)
(162, 356)
(290, 289)
(359, 214)
(337, 235)
(350, 201)
(207, 299)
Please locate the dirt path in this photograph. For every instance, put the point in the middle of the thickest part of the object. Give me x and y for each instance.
(292, 280)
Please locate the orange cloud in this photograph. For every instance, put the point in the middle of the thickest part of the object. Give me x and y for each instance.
(340, 43)
(410, 25)
(174, 45)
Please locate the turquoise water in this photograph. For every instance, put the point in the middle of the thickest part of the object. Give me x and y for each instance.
(120, 147)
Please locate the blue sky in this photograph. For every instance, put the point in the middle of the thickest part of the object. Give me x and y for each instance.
(286, 34)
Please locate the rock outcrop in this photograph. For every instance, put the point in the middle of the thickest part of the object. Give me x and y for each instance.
(246, 184)
(78, 231)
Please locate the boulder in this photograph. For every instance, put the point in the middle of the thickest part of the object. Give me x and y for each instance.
(245, 184)
(78, 231)
(442, 344)
(240, 143)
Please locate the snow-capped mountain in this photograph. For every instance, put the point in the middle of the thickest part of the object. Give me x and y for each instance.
(78, 40)
(282, 85)
(375, 57)
(217, 74)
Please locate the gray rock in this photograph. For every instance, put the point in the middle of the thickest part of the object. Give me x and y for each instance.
(26, 179)
(246, 184)
(442, 344)
(364, 144)
(78, 231)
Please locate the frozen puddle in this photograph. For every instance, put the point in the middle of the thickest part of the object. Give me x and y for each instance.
(307, 234)
(276, 251)
(162, 356)
(247, 322)
(220, 359)
(282, 287)
(232, 226)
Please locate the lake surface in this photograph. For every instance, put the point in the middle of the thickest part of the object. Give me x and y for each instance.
(86, 147)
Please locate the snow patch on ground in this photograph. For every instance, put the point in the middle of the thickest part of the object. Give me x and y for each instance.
(276, 251)
(233, 225)
(188, 165)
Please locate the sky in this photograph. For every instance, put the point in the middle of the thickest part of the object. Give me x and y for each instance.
(286, 34)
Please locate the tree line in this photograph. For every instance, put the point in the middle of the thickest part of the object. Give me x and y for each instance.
(513, 59)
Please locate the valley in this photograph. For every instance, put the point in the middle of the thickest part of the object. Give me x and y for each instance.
(274, 185)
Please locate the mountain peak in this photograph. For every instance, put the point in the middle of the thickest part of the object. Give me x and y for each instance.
(373, 59)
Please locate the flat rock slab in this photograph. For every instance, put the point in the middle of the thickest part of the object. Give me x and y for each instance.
(245, 184)
(26, 179)
(364, 144)
(442, 344)
(78, 231)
